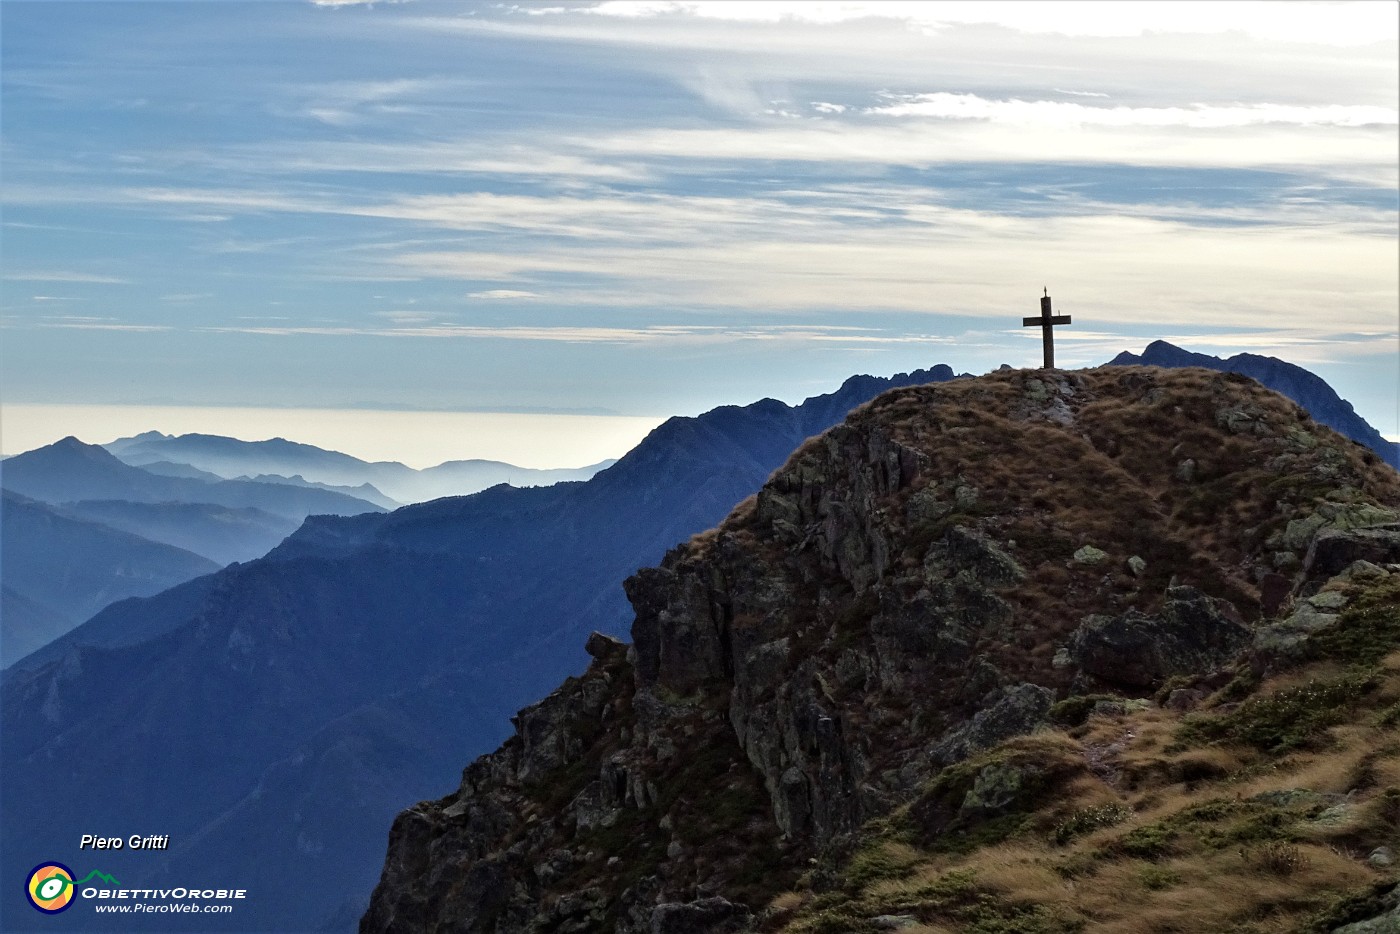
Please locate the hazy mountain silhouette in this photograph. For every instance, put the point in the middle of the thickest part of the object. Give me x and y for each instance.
(69, 471)
(125, 622)
(223, 534)
(25, 623)
(172, 469)
(364, 491)
(60, 570)
(1305, 388)
(303, 697)
(280, 458)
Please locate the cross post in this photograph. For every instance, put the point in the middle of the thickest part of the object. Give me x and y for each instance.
(1045, 322)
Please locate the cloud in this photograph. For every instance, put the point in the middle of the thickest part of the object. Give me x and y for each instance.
(512, 156)
(1328, 23)
(339, 4)
(102, 326)
(741, 57)
(1197, 116)
(406, 317)
(342, 103)
(1364, 151)
(570, 334)
(63, 276)
(503, 294)
(950, 261)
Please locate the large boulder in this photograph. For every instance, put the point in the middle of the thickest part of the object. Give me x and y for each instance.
(1192, 633)
(1021, 709)
(1335, 549)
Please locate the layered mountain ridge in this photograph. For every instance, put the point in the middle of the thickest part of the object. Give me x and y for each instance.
(866, 672)
(368, 655)
(61, 568)
(278, 460)
(69, 470)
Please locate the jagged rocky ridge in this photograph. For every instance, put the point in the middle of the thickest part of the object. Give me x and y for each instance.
(953, 567)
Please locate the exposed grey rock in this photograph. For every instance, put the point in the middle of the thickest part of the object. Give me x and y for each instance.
(1290, 797)
(1388, 922)
(712, 915)
(1192, 633)
(1328, 600)
(1088, 554)
(602, 647)
(976, 553)
(1362, 571)
(543, 727)
(1382, 857)
(996, 787)
(1335, 549)
(1122, 707)
(1287, 635)
(1021, 709)
(1334, 815)
(1185, 699)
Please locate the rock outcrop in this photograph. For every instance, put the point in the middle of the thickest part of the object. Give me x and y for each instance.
(912, 590)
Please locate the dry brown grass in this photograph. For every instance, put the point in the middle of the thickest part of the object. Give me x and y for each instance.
(1244, 870)
(787, 901)
(1023, 871)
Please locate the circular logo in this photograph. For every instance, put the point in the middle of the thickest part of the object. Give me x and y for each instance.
(50, 887)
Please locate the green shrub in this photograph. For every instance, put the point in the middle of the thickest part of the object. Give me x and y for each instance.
(1073, 711)
(1158, 877)
(1366, 631)
(1287, 719)
(879, 862)
(1355, 906)
(1087, 820)
(1151, 842)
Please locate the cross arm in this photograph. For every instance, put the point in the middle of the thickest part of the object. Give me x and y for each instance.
(1038, 321)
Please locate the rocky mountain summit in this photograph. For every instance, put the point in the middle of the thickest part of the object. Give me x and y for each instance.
(1036, 651)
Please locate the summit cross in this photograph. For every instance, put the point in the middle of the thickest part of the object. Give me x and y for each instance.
(1045, 322)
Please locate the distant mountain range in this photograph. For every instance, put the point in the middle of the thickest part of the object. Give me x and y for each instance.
(60, 569)
(303, 697)
(70, 471)
(223, 534)
(81, 530)
(281, 461)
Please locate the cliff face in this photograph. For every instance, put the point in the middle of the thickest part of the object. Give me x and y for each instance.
(953, 567)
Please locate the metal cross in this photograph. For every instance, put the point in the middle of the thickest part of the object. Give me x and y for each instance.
(1045, 322)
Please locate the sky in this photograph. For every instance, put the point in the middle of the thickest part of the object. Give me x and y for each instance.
(602, 214)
